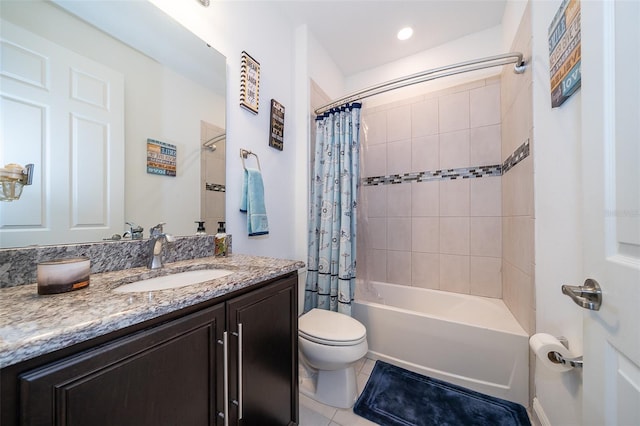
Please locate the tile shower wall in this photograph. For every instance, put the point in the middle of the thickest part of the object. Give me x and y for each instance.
(517, 192)
(438, 234)
(213, 181)
(517, 187)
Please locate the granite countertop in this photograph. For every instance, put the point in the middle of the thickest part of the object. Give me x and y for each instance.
(32, 324)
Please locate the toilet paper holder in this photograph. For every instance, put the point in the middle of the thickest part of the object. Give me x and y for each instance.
(557, 358)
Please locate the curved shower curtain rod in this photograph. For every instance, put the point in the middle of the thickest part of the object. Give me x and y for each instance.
(214, 140)
(473, 65)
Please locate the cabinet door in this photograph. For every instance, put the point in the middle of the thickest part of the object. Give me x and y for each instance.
(166, 375)
(264, 367)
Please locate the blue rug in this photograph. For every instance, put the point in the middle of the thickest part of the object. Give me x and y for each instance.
(394, 396)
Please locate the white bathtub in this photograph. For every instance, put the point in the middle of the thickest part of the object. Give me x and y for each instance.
(469, 341)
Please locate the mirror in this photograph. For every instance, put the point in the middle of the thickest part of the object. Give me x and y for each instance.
(137, 80)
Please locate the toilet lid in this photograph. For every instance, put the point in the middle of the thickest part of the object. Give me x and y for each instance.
(331, 328)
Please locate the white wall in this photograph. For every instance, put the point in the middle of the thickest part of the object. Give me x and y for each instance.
(558, 236)
(323, 70)
(513, 12)
(262, 31)
(475, 46)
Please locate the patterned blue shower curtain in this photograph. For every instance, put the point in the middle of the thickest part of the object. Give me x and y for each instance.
(331, 261)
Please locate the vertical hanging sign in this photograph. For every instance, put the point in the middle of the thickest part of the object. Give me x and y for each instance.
(249, 83)
(564, 52)
(276, 131)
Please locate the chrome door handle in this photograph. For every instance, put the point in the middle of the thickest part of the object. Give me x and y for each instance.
(588, 296)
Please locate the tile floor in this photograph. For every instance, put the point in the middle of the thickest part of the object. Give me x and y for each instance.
(313, 413)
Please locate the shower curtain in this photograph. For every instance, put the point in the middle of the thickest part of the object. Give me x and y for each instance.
(331, 260)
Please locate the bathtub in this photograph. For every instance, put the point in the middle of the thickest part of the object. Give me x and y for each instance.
(469, 341)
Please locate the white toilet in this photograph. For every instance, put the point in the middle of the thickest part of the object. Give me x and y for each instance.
(330, 343)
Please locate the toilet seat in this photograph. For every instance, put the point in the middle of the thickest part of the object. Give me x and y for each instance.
(331, 328)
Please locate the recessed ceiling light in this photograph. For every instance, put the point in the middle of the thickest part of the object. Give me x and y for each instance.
(405, 33)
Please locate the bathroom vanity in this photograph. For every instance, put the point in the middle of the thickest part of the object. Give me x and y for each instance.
(214, 353)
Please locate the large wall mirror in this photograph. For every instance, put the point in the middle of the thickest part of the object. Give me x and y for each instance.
(87, 89)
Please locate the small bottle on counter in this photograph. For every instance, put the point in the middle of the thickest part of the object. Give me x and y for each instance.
(220, 241)
(200, 230)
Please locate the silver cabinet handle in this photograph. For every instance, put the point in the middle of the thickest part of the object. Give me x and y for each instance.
(588, 296)
(240, 371)
(238, 402)
(225, 413)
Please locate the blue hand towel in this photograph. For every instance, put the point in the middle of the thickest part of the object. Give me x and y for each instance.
(253, 203)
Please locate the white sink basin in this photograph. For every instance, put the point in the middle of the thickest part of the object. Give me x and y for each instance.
(181, 279)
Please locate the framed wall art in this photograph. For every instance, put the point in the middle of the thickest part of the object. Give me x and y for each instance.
(276, 131)
(161, 158)
(249, 83)
(565, 52)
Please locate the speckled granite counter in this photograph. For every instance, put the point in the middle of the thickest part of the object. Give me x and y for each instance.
(32, 325)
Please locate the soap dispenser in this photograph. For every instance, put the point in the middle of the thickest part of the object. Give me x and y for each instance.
(200, 230)
(220, 241)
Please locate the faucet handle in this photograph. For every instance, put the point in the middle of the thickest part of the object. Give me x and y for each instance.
(135, 231)
(158, 229)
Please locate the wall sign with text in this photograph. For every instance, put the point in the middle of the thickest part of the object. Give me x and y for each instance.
(276, 131)
(161, 158)
(249, 83)
(564, 52)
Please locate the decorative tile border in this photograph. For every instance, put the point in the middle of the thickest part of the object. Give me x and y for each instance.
(519, 154)
(446, 174)
(217, 187)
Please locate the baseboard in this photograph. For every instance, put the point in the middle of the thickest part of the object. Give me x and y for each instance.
(540, 414)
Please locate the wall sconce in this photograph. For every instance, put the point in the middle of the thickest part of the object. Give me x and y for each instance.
(13, 177)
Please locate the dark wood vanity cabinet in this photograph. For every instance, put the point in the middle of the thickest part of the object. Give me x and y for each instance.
(265, 388)
(169, 374)
(173, 372)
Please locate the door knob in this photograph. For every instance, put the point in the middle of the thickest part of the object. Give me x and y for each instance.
(588, 296)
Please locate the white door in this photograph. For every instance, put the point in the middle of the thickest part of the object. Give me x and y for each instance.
(611, 204)
(65, 114)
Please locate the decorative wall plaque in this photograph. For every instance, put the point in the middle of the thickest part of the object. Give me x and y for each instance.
(249, 83)
(161, 158)
(565, 52)
(276, 132)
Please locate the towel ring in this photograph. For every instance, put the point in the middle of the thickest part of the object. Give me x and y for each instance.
(244, 153)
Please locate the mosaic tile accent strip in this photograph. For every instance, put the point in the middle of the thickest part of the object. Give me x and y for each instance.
(518, 155)
(217, 187)
(446, 174)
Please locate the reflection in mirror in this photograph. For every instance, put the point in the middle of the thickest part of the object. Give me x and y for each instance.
(81, 104)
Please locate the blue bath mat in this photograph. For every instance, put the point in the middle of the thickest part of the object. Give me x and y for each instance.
(394, 396)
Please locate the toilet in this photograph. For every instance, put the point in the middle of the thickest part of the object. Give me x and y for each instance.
(330, 343)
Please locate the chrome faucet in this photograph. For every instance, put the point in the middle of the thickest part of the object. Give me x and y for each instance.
(157, 240)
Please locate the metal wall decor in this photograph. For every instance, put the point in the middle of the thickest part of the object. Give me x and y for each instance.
(249, 83)
(276, 131)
